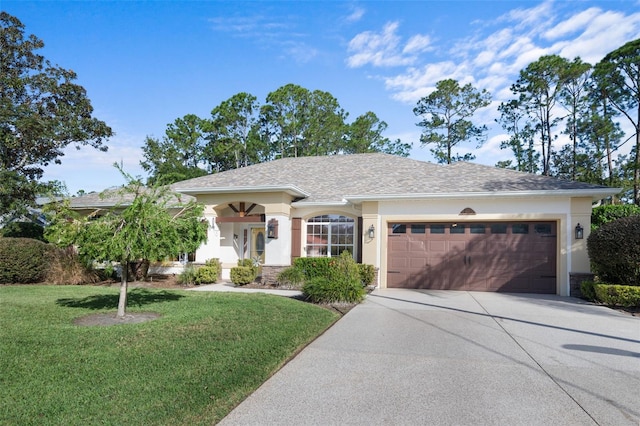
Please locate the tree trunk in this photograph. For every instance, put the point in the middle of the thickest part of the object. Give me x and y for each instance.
(122, 301)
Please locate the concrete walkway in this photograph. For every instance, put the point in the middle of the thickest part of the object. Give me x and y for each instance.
(230, 287)
(407, 357)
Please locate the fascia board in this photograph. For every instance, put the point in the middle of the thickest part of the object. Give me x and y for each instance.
(595, 194)
(289, 189)
(321, 203)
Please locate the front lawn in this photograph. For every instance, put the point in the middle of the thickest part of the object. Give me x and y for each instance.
(204, 355)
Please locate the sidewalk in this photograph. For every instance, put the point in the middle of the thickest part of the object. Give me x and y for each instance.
(230, 287)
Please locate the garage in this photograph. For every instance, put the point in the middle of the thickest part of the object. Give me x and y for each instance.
(518, 257)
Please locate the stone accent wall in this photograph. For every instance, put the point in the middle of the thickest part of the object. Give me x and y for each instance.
(575, 279)
(270, 273)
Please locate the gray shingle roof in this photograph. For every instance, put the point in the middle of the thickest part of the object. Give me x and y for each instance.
(112, 196)
(329, 179)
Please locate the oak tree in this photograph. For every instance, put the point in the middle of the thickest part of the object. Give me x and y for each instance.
(42, 111)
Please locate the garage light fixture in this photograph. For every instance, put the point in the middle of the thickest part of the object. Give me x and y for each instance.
(372, 231)
(579, 232)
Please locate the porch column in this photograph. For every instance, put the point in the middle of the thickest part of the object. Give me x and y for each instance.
(211, 247)
(278, 250)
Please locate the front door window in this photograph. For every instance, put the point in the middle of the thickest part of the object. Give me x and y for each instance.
(257, 244)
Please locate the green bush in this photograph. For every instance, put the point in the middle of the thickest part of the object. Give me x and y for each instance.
(188, 275)
(588, 291)
(23, 230)
(614, 250)
(323, 290)
(250, 263)
(292, 277)
(209, 273)
(367, 273)
(314, 267)
(24, 260)
(241, 275)
(618, 295)
(343, 283)
(610, 212)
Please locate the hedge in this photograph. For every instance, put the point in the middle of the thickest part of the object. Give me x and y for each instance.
(614, 250)
(611, 294)
(24, 260)
(618, 295)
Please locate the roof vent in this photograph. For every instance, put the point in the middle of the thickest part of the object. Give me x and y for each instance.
(467, 211)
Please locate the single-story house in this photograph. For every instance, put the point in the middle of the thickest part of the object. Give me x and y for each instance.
(462, 226)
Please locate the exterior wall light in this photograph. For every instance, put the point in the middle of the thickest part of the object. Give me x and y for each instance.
(272, 229)
(372, 231)
(579, 232)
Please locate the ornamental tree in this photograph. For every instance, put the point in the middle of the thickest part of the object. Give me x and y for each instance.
(146, 223)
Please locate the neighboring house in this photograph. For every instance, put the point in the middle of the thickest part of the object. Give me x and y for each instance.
(461, 226)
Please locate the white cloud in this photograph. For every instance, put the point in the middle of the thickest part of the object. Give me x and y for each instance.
(301, 52)
(383, 49)
(537, 18)
(419, 82)
(417, 43)
(572, 25)
(355, 15)
(591, 46)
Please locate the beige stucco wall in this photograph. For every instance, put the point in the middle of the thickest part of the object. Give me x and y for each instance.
(566, 212)
(580, 213)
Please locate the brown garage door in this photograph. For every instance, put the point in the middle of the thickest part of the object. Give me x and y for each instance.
(483, 256)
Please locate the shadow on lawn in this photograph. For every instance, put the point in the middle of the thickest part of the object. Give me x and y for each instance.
(135, 297)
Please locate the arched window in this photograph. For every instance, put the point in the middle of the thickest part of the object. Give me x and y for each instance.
(329, 235)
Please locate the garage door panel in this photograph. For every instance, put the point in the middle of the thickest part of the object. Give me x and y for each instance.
(516, 257)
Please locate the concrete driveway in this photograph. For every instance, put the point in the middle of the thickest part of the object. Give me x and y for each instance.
(410, 357)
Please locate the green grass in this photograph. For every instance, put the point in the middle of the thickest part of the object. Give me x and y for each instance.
(205, 354)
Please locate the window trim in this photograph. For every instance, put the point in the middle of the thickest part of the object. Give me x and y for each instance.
(340, 219)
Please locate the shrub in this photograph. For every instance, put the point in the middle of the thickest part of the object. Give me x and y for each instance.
(23, 230)
(618, 295)
(343, 283)
(209, 273)
(245, 262)
(614, 250)
(67, 268)
(241, 275)
(314, 267)
(188, 275)
(608, 213)
(588, 291)
(292, 276)
(367, 273)
(24, 260)
(323, 290)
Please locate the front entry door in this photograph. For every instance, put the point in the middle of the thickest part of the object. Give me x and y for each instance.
(258, 244)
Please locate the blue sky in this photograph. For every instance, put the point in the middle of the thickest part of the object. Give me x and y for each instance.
(146, 63)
